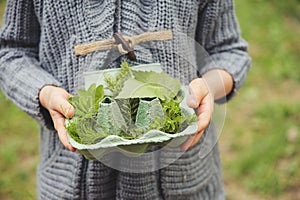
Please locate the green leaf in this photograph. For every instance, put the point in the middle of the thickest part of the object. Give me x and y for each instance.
(149, 85)
(128, 108)
(87, 101)
(84, 130)
(82, 127)
(99, 95)
(115, 84)
(173, 115)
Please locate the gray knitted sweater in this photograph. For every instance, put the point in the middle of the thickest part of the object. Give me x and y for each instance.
(37, 40)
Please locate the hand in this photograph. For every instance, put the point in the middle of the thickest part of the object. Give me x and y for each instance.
(202, 99)
(55, 100)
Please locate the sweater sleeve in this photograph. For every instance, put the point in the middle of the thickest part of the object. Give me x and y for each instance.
(218, 31)
(21, 76)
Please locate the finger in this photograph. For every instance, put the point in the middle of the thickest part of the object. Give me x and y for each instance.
(196, 138)
(59, 125)
(66, 109)
(62, 106)
(203, 121)
(63, 137)
(192, 141)
(187, 143)
(198, 90)
(192, 102)
(205, 112)
(61, 103)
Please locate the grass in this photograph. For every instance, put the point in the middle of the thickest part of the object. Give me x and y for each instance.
(263, 121)
(260, 142)
(269, 163)
(18, 150)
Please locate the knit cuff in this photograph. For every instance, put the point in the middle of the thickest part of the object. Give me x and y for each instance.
(21, 79)
(34, 86)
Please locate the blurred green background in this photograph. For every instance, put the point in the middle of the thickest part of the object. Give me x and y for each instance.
(260, 143)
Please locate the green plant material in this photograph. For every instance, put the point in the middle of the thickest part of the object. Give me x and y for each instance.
(91, 125)
(186, 120)
(150, 85)
(115, 84)
(135, 132)
(128, 108)
(87, 101)
(110, 119)
(148, 111)
(173, 116)
(82, 127)
(176, 119)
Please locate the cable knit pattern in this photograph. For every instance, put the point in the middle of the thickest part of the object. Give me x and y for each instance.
(36, 48)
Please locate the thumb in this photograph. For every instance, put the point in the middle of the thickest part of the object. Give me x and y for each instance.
(192, 101)
(66, 109)
(62, 103)
(198, 90)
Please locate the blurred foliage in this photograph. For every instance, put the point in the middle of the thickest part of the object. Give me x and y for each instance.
(262, 142)
(269, 164)
(18, 152)
(18, 149)
(290, 8)
(269, 28)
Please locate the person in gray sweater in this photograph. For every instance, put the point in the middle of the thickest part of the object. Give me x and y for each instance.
(39, 71)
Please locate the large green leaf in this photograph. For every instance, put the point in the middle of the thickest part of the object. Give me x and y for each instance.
(87, 100)
(150, 84)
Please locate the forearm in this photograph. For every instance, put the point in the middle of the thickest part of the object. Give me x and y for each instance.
(219, 82)
(226, 49)
(21, 75)
(21, 79)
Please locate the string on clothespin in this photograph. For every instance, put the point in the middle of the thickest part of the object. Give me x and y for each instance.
(124, 44)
